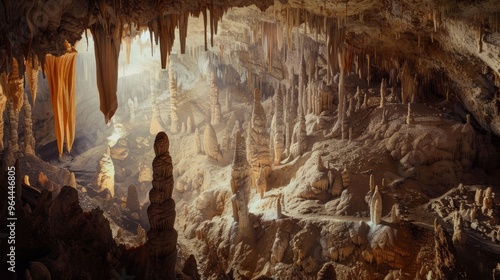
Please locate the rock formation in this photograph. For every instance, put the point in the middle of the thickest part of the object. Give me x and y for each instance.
(29, 140)
(215, 108)
(279, 128)
(459, 235)
(240, 183)
(382, 94)
(32, 68)
(258, 142)
(409, 116)
(133, 200)
(174, 118)
(197, 142)
(210, 143)
(162, 237)
(376, 207)
(106, 173)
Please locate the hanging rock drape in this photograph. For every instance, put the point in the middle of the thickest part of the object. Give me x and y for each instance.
(61, 76)
(107, 40)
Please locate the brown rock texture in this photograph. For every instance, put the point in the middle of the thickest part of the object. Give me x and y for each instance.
(162, 237)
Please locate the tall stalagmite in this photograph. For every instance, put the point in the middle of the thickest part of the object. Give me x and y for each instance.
(174, 118)
(239, 186)
(210, 143)
(258, 140)
(29, 140)
(215, 108)
(162, 237)
(279, 129)
(376, 207)
(107, 34)
(61, 76)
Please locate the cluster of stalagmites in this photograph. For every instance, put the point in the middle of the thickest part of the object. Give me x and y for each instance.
(162, 237)
(467, 208)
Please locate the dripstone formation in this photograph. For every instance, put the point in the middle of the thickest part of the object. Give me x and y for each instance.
(162, 237)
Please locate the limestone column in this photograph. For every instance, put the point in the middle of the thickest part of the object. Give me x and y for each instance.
(174, 118)
(162, 237)
(215, 107)
(29, 140)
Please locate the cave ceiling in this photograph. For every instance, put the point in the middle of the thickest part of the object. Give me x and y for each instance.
(457, 40)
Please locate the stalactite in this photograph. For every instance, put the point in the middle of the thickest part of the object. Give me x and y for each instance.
(61, 76)
(174, 118)
(107, 40)
(166, 26)
(128, 45)
(183, 27)
(258, 140)
(29, 140)
(32, 73)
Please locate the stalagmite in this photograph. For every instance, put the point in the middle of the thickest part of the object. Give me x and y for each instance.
(382, 94)
(407, 84)
(372, 183)
(258, 141)
(394, 214)
(210, 143)
(61, 76)
(29, 140)
(487, 201)
(299, 138)
(228, 101)
(409, 117)
(459, 237)
(32, 75)
(346, 178)
(215, 108)
(133, 200)
(240, 183)
(365, 101)
(106, 173)
(174, 118)
(189, 125)
(279, 130)
(197, 141)
(156, 123)
(350, 134)
(127, 40)
(162, 237)
(279, 213)
(131, 108)
(107, 36)
(376, 207)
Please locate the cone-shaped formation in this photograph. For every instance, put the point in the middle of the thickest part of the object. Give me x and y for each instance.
(61, 76)
(239, 186)
(258, 141)
(107, 36)
(174, 118)
(215, 108)
(210, 143)
(299, 138)
(29, 140)
(162, 237)
(279, 129)
(133, 200)
(459, 235)
(376, 207)
(409, 117)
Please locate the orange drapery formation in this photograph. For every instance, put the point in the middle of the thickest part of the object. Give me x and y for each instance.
(61, 76)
